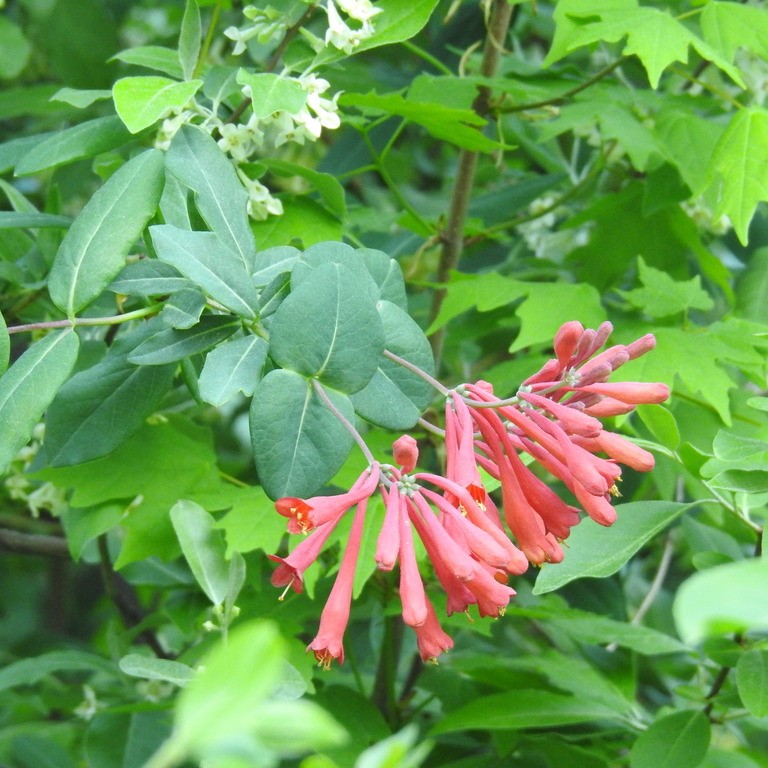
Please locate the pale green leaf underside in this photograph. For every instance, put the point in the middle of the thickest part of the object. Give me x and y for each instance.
(142, 101)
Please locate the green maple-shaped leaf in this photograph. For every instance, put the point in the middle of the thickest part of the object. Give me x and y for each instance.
(739, 167)
(662, 296)
(729, 26)
(654, 36)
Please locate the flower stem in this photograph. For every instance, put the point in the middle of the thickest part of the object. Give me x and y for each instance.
(79, 321)
(415, 369)
(210, 32)
(345, 422)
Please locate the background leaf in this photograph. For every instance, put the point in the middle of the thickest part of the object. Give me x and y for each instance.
(99, 408)
(29, 385)
(676, 740)
(597, 552)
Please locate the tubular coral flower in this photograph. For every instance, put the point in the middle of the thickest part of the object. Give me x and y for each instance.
(412, 594)
(304, 515)
(567, 340)
(620, 449)
(388, 544)
(328, 644)
(632, 392)
(431, 640)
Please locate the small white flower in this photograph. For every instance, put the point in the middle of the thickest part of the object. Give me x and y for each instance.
(360, 10)
(239, 141)
(339, 35)
(261, 204)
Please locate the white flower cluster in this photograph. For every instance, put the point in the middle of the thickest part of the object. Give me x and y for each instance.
(36, 497)
(242, 140)
(267, 24)
(347, 35)
(702, 216)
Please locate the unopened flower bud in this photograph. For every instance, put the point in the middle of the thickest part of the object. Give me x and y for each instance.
(406, 452)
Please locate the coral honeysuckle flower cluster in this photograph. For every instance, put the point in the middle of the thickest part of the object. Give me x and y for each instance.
(554, 419)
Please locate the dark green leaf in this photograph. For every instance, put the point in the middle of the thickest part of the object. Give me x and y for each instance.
(395, 397)
(29, 385)
(85, 140)
(98, 409)
(206, 261)
(677, 740)
(37, 752)
(298, 444)
(148, 277)
(183, 308)
(329, 328)
(31, 670)
(596, 552)
(196, 160)
(169, 345)
(94, 249)
(233, 367)
(524, 709)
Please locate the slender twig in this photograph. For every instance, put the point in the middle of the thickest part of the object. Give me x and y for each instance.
(78, 321)
(654, 589)
(210, 32)
(453, 235)
(555, 100)
(345, 422)
(429, 427)
(415, 369)
(33, 544)
(428, 57)
(390, 182)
